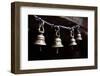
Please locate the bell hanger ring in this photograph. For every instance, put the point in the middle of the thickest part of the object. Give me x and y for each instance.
(41, 27)
(57, 31)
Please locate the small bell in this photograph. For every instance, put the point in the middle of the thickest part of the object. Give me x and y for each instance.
(40, 38)
(57, 40)
(73, 41)
(57, 43)
(79, 37)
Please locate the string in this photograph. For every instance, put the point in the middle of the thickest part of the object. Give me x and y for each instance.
(53, 25)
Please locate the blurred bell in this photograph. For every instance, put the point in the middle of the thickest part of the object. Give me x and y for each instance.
(57, 42)
(40, 40)
(73, 41)
(79, 37)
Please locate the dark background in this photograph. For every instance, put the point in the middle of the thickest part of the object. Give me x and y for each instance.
(48, 52)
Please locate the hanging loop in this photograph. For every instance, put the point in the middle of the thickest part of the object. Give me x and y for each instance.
(57, 31)
(41, 27)
(78, 29)
(72, 32)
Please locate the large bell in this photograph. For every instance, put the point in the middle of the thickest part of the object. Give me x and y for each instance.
(57, 43)
(79, 37)
(40, 40)
(73, 42)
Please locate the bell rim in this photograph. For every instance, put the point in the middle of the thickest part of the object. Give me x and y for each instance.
(39, 44)
(57, 46)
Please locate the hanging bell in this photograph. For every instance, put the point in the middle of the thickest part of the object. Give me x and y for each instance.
(73, 41)
(40, 38)
(79, 37)
(57, 43)
(57, 40)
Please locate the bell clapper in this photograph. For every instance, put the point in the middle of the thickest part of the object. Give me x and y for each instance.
(40, 49)
(72, 47)
(57, 51)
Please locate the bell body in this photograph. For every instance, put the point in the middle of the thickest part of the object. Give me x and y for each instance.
(57, 42)
(40, 40)
(79, 37)
(73, 41)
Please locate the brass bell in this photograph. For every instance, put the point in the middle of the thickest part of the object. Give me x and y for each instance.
(57, 40)
(79, 37)
(73, 41)
(40, 38)
(57, 43)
